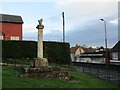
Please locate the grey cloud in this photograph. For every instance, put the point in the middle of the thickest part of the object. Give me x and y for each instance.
(92, 34)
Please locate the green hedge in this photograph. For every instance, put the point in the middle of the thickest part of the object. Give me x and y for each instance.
(18, 49)
(56, 52)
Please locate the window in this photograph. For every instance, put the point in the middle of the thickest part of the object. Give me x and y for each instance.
(115, 55)
(101, 49)
(14, 38)
(1, 37)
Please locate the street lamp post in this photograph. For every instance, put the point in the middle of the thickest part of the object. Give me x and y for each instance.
(106, 61)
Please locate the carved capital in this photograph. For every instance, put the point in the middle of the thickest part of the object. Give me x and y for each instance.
(40, 27)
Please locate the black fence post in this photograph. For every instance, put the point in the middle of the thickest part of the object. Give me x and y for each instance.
(90, 69)
(83, 67)
(119, 76)
(97, 71)
(108, 73)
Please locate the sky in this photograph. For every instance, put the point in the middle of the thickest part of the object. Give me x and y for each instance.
(82, 20)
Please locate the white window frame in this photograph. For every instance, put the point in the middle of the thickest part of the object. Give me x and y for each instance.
(115, 56)
(14, 38)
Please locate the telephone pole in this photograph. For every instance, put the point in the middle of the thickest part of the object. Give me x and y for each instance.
(63, 26)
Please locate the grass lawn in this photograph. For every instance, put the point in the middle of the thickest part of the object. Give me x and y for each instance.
(10, 80)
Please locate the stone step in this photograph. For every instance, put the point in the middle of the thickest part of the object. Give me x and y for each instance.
(42, 69)
(47, 72)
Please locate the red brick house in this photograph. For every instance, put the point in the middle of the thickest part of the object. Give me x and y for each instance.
(10, 27)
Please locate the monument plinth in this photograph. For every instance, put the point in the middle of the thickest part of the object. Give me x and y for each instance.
(40, 61)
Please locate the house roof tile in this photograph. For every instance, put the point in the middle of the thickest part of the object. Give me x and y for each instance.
(10, 18)
(73, 49)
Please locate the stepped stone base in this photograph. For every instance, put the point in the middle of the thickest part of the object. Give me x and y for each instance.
(47, 72)
(41, 62)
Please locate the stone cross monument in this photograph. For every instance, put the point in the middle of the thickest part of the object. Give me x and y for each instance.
(40, 61)
(40, 28)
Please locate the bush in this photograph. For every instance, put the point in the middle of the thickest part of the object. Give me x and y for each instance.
(55, 52)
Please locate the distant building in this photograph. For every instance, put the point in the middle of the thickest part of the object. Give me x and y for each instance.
(93, 57)
(77, 51)
(100, 49)
(87, 55)
(10, 27)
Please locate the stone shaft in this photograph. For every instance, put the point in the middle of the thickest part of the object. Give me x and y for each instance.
(40, 43)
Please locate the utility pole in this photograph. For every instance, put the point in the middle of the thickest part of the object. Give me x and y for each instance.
(63, 26)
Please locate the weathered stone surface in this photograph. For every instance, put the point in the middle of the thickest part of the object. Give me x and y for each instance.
(56, 69)
(47, 72)
(40, 69)
(41, 62)
(49, 75)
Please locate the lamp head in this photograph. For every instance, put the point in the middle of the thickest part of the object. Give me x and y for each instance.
(102, 19)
